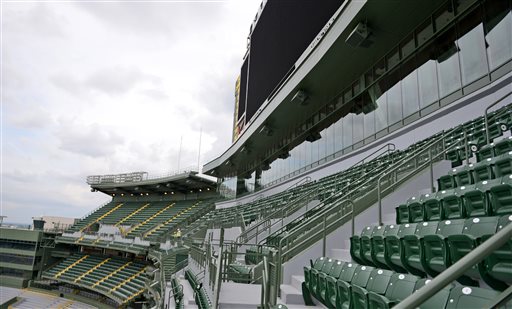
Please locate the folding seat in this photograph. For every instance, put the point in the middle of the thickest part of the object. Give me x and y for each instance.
(501, 196)
(432, 206)
(434, 251)
(368, 249)
(452, 203)
(393, 248)
(503, 146)
(332, 274)
(438, 300)
(377, 283)
(411, 244)
(485, 152)
(463, 175)
(328, 294)
(463, 297)
(343, 295)
(402, 214)
(447, 181)
(476, 200)
(484, 170)
(365, 245)
(456, 155)
(315, 276)
(360, 278)
(400, 287)
(496, 269)
(462, 244)
(355, 247)
(415, 205)
(319, 263)
(503, 164)
(378, 245)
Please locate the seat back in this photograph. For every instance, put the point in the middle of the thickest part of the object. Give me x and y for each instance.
(400, 286)
(379, 280)
(478, 227)
(347, 272)
(362, 275)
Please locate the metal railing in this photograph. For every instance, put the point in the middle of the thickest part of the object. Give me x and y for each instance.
(336, 214)
(486, 117)
(458, 269)
(134, 176)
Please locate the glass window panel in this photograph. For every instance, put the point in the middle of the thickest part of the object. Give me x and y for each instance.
(498, 32)
(393, 58)
(410, 94)
(315, 151)
(380, 68)
(369, 124)
(471, 44)
(448, 70)
(425, 32)
(368, 78)
(307, 152)
(338, 135)
(322, 144)
(358, 127)
(394, 104)
(329, 140)
(428, 87)
(347, 130)
(444, 15)
(408, 45)
(381, 113)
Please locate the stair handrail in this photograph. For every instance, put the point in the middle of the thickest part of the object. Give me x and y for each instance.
(300, 182)
(390, 147)
(96, 209)
(336, 196)
(459, 268)
(282, 210)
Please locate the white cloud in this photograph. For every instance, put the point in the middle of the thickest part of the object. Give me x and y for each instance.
(96, 88)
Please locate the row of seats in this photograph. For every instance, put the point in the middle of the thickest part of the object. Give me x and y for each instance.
(107, 275)
(487, 169)
(485, 198)
(200, 295)
(428, 248)
(339, 284)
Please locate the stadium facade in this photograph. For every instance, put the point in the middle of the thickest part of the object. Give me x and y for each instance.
(371, 153)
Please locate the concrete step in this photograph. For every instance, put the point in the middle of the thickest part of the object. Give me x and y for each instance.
(291, 295)
(297, 282)
(340, 254)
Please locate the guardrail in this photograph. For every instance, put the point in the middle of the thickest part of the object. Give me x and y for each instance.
(134, 176)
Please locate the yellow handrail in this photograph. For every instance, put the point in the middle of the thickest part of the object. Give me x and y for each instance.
(70, 266)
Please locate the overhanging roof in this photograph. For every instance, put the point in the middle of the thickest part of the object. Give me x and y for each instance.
(184, 183)
(326, 68)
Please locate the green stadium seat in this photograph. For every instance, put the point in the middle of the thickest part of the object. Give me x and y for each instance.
(462, 244)
(360, 278)
(315, 274)
(393, 248)
(475, 200)
(378, 245)
(503, 164)
(400, 287)
(452, 203)
(411, 258)
(463, 175)
(434, 252)
(464, 297)
(322, 280)
(503, 146)
(355, 248)
(343, 295)
(485, 152)
(377, 283)
(501, 196)
(402, 214)
(415, 206)
(439, 299)
(328, 289)
(432, 206)
(447, 181)
(319, 263)
(484, 170)
(366, 246)
(496, 269)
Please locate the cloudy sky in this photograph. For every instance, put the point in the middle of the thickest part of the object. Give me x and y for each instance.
(92, 87)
